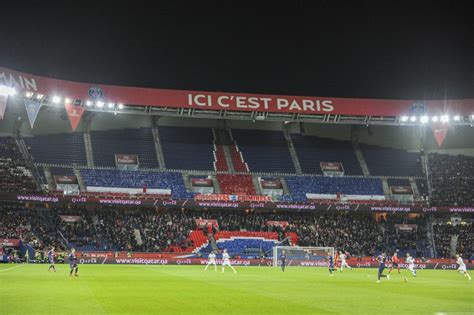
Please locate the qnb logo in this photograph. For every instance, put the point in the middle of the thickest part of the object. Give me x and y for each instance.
(96, 92)
(418, 108)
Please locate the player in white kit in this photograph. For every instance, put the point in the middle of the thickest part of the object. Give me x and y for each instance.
(462, 267)
(342, 259)
(226, 261)
(411, 264)
(211, 260)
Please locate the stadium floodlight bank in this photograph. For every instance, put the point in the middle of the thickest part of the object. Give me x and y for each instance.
(302, 255)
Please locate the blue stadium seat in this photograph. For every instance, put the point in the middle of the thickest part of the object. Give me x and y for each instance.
(313, 150)
(264, 151)
(391, 162)
(65, 148)
(136, 179)
(105, 144)
(187, 148)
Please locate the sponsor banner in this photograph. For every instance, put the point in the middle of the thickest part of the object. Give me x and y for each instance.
(66, 179)
(10, 242)
(226, 197)
(70, 218)
(32, 109)
(406, 227)
(401, 190)
(331, 166)
(202, 182)
(137, 260)
(3, 104)
(271, 184)
(286, 206)
(74, 113)
(128, 159)
(203, 223)
(231, 101)
(282, 224)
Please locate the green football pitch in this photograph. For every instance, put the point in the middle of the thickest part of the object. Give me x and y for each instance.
(113, 289)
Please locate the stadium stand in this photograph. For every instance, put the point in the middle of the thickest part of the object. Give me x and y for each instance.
(63, 149)
(398, 182)
(236, 184)
(135, 179)
(452, 179)
(55, 171)
(299, 186)
(14, 173)
(313, 150)
(391, 162)
(105, 144)
(264, 151)
(187, 148)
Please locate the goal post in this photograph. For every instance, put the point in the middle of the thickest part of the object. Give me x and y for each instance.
(302, 255)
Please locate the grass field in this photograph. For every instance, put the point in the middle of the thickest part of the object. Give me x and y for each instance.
(30, 289)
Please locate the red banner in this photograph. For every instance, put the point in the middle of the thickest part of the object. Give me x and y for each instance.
(3, 104)
(224, 197)
(66, 179)
(331, 166)
(401, 190)
(440, 130)
(202, 182)
(271, 184)
(203, 223)
(74, 113)
(129, 159)
(70, 218)
(231, 101)
(282, 224)
(11, 242)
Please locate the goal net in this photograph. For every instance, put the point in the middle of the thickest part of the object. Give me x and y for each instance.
(302, 256)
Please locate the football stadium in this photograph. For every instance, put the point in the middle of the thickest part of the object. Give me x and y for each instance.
(119, 199)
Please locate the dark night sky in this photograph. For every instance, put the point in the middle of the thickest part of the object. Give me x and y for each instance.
(359, 49)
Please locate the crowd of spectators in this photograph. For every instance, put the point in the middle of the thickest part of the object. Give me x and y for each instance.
(452, 179)
(445, 231)
(14, 173)
(149, 230)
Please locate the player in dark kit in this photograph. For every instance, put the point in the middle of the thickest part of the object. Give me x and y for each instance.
(51, 259)
(283, 260)
(382, 259)
(73, 262)
(331, 264)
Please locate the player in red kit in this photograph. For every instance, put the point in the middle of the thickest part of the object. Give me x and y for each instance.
(394, 263)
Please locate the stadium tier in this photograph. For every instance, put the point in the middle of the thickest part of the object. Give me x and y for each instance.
(391, 162)
(105, 144)
(64, 149)
(236, 184)
(187, 148)
(452, 179)
(14, 173)
(264, 151)
(363, 188)
(126, 181)
(398, 182)
(313, 150)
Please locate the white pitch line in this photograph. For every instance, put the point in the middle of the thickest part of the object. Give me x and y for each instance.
(11, 268)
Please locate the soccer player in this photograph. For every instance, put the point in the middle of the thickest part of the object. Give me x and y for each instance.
(73, 262)
(226, 261)
(462, 267)
(283, 260)
(394, 263)
(331, 264)
(411, 264)
(51, 259)
(342, 258)
(382, 259)
(211, 260)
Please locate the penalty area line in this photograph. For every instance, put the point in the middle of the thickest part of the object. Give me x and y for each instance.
(11, 268)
